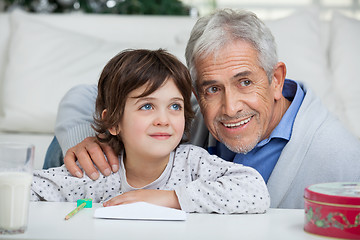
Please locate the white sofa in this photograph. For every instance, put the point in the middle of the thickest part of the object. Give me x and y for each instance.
(42, 56)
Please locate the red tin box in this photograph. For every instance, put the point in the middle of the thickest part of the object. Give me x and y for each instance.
(333, 209)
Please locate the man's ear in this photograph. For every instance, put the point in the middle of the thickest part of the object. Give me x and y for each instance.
(278, 79)
(113, 130)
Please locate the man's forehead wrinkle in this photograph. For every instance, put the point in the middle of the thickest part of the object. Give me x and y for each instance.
(242, 74)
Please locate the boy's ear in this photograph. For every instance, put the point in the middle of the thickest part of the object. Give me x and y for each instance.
(103, 114)
(113, 130)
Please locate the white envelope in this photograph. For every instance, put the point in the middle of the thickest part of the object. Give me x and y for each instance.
(140, 211)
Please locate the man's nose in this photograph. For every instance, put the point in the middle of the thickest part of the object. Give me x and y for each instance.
(231, 103)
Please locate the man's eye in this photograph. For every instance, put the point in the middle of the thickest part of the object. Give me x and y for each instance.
(146, 107)
(176, 107)
(212, 90)
(245, 83)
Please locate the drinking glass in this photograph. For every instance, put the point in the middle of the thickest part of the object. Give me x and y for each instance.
(16, 166)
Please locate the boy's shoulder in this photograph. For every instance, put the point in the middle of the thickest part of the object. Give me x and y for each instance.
(189, 146)
(195, 154)
(190, 149)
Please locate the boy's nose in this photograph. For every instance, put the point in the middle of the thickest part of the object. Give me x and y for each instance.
(161, 119)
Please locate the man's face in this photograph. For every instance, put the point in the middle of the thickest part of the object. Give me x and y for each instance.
(236, 98)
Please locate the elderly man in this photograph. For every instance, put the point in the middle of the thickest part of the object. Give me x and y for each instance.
(252, 115)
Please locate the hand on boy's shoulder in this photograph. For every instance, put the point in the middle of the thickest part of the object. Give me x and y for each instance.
(90, 153)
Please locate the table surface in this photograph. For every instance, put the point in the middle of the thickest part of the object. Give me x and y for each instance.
(46, 221)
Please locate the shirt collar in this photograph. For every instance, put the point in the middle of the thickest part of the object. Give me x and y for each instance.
(294, 93)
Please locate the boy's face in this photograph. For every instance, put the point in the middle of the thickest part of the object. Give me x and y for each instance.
(152, 126)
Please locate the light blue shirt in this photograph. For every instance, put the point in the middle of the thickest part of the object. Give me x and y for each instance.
(265, 154)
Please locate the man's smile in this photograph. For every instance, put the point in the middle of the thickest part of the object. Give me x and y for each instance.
(237, 124)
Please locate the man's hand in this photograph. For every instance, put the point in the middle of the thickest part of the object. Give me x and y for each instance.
(90, 152)
(166, 198)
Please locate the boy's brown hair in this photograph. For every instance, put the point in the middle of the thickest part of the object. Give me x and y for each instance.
(129, 70)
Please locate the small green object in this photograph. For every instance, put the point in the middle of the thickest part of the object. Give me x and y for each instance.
(88, 202)
(81, 203)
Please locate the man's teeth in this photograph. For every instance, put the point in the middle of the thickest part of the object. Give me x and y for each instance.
(232, 125)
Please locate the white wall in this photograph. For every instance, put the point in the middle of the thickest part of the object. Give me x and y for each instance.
(266, 9)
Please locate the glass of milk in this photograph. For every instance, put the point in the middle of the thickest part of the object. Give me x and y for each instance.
(16, 166)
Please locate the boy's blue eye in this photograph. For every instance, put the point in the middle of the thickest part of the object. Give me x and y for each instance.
(146, 107)
(175, 106)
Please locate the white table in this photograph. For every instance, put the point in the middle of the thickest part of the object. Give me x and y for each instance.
(46, 221)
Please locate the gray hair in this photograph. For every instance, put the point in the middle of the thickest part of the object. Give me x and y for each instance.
(214, 31)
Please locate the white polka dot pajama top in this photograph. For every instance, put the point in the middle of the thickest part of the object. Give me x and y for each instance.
(203, 183)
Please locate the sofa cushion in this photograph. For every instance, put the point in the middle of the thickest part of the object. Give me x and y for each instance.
(4, 40)
(300, 48)
(345, 63)
(44, 63)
